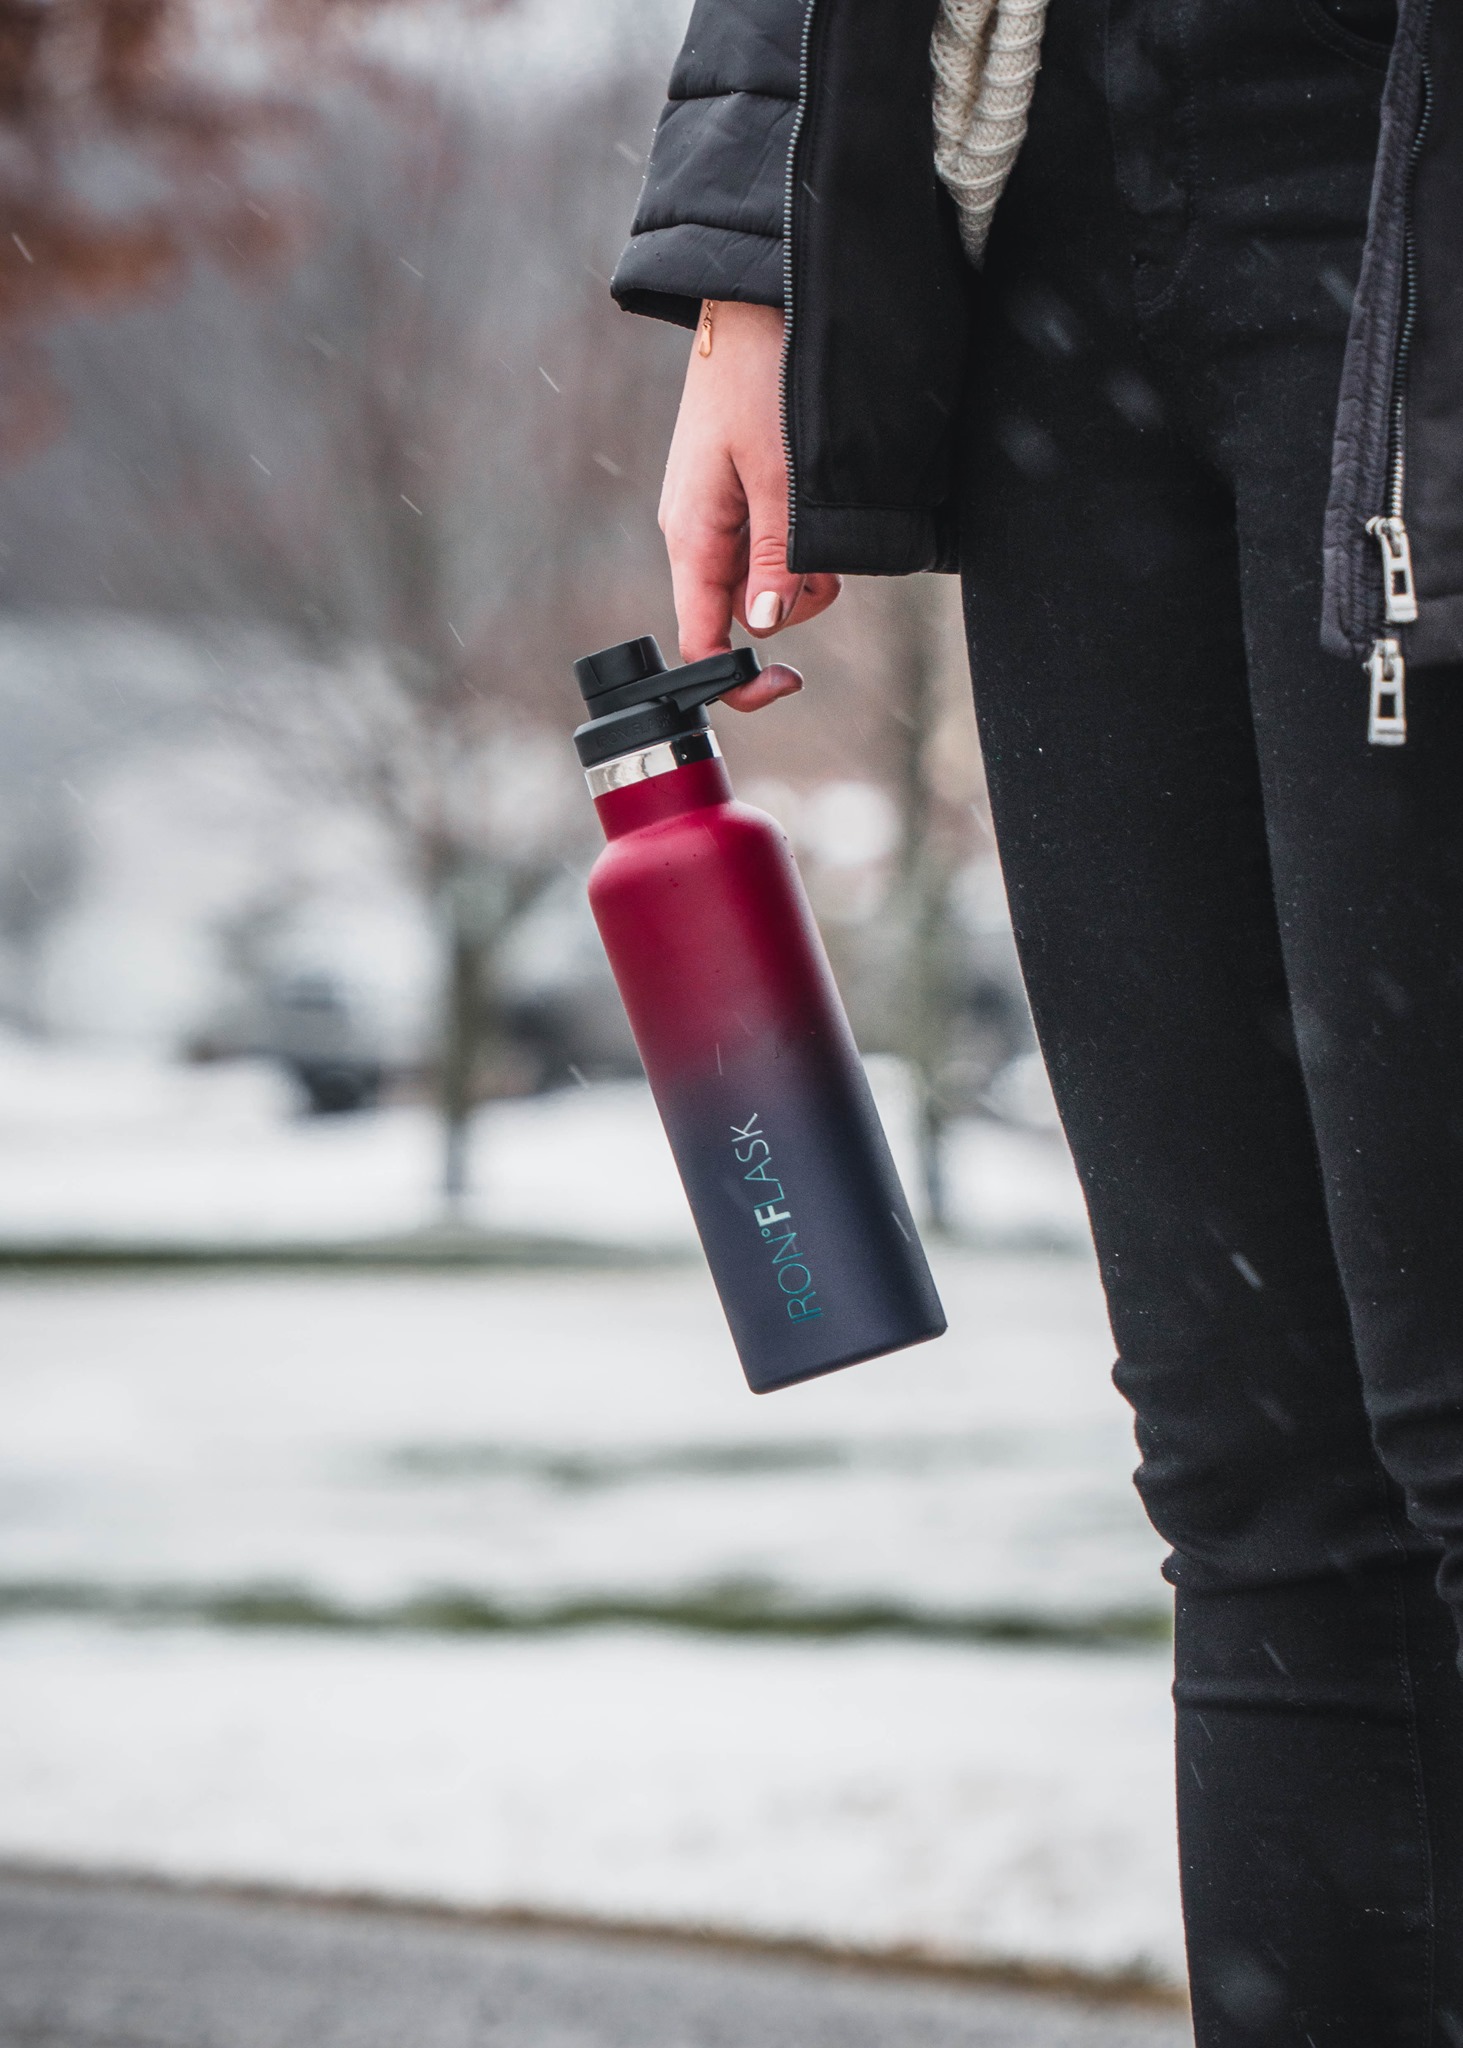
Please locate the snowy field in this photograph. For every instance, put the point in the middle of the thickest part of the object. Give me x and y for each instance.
(499, 1588)
(115, 1146)
(973, 1805)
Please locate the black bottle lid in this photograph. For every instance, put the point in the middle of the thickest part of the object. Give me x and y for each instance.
(635, 701)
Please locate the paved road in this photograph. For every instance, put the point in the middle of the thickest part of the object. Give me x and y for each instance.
(104, 1965)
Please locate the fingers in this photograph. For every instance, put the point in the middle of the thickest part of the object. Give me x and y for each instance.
(704, 573)
(817, 593)
(777, 680)
(704, 519)
(770, 593)
(775, 597)
(724, 508)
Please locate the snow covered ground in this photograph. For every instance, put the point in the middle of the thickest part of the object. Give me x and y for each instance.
(116, 1145)
(974, 1805)
(529, 1440)
(451, 1485)
(497, 1586)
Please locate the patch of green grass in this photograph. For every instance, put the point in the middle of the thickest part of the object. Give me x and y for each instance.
(630, 1465)
(730, 1607)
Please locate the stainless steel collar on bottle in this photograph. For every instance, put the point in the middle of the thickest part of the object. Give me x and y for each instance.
(663, 759)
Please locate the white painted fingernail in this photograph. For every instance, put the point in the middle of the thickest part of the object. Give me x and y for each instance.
(765, 611)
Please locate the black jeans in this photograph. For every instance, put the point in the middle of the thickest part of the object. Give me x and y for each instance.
(1242, 932)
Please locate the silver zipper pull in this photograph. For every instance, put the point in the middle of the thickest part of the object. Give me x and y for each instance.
(1387, 671)
(1390, 534)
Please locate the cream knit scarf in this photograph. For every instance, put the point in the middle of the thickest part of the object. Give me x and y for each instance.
(986, 54)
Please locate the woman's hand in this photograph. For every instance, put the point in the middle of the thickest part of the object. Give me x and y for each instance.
(723, 509)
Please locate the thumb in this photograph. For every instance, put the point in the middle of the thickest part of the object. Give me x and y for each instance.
(770, 594)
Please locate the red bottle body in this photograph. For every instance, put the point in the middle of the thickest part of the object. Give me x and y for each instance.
(757, 1079)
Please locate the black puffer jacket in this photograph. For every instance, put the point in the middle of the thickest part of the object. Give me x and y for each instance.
(794, 166)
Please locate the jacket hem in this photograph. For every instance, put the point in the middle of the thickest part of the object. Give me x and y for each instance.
(871, 540)
(667, 272)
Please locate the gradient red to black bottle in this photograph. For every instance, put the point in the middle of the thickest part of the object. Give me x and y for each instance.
(754, 1071)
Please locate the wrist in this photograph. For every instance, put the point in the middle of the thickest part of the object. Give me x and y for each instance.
(738, 322)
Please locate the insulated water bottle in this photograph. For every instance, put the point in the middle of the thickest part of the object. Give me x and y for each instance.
(744, 1038)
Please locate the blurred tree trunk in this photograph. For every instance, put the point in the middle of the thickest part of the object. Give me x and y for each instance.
(480, 900)
(476, 909)
(928, 992)
(458, 1055)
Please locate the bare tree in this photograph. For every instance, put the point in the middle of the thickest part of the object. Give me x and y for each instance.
(465, 392)
(413, 446)
(414, 458)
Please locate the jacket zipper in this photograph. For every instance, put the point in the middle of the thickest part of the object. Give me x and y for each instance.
(789, 188)
(1386, 664)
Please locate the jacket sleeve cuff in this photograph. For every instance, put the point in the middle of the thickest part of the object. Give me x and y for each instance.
(667, 272)
(710, 220)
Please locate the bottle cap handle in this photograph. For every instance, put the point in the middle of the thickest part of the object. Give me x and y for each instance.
(635, 672)
(702, 682)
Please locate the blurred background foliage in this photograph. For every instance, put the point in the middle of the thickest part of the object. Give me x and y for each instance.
(325, 452)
